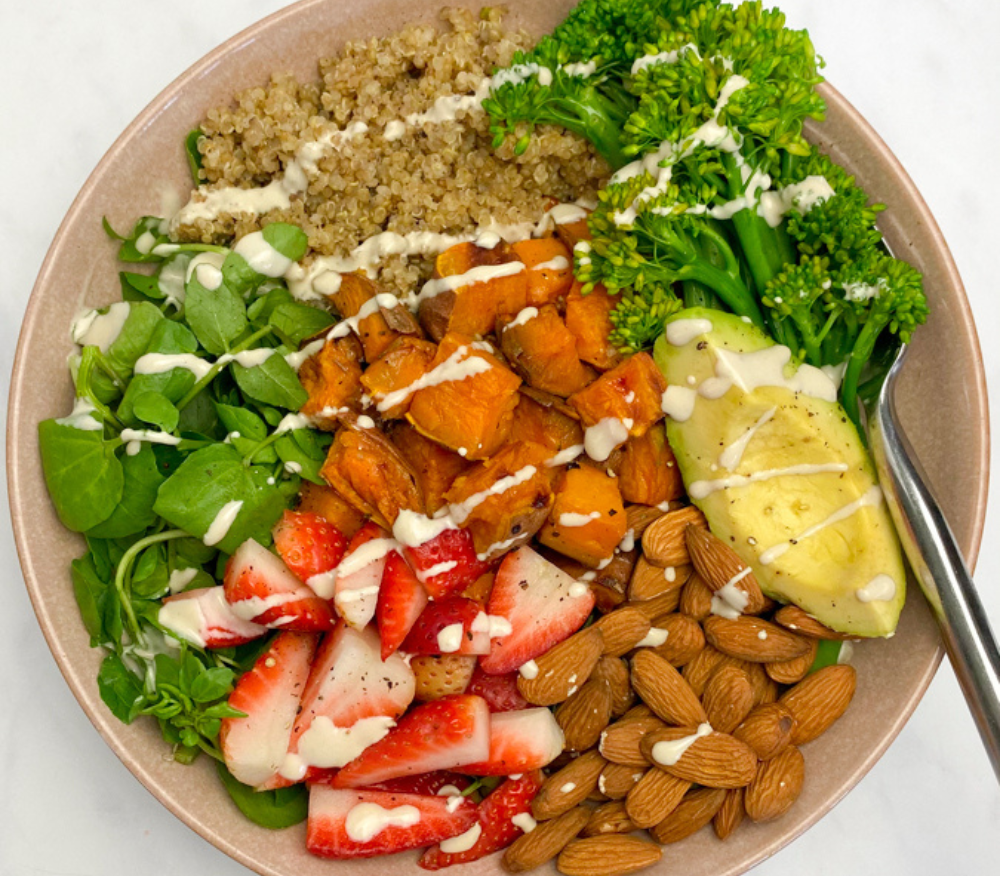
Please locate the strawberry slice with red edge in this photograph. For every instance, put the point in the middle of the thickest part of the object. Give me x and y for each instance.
(401, 599)
(359, 576)
(442, 735)
(543, 605)
(496, 830)
(438, 783)
(499, 691)
(449, 627)
(364, 823)
(309, 544)
(520, 741)
(204, 618)
(254, 746)
(446, 564)
(261, 588)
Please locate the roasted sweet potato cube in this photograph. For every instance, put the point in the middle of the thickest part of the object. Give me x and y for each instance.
(571, 227)
(332, 377)
(378, 318)
(468, 404)
(386, 380)
(505, 499)
(367, 469)
(648, 474)
(631, 393)
(471, 285)
(541, 349)
(544, 425)
(588, 319)
(587, 520)
(436, 466)
(330, 505)
(549, 267)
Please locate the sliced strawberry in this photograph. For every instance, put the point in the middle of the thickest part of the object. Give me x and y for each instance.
(449, 627)
(204, 618)
(446, 564)
(441, 735)
(543, 605)
(401, 598)
(254, 747)
(362, 824)
(359, 575)
(261, 588)
(352, 699)
(496, 829)
(520, 741)
(440, 782)
(309, 544)
(499, 691)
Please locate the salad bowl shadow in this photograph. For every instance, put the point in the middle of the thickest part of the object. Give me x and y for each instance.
(942, 400)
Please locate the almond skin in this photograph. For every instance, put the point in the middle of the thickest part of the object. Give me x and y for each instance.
(719, 565)
(654, 797)
(658, 606)
(793, 671)
(702, 666)
(620, 743)
(819, 700)
(618, 779)
(649, 580)
(776, 786)
(664, 690)
(608, 818)
(545, 841)
(695, 811)
(610, 855)
(568, 787)
(715, 760)
(753, 639)
(623, 629)
(767, 729)
(685, 639)
(730, 814)
(663, 542)
(728, 698)
(563, 669)
(585, 715)
(696, 598)
(793, 618)
(639, 517)
(614, 671)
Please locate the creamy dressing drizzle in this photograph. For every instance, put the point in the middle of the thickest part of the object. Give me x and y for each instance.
(81, 417)
(101, 330)
(882, 588)
(604, 436)
(732, 455)
(222, 522)
(458, 366)
(366, 820)
(667, 753)
(702, 489)
(478, 274)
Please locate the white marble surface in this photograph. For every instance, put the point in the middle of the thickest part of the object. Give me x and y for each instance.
(925, 72)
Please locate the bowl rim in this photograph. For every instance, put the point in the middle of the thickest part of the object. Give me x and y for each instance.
(104, 722)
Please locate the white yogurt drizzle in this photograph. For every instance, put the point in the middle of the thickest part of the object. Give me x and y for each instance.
(81, 417)
(463, 842)
(703, 489)
(101, 330)
(882, 588)
(604, 436)
(732, 455)
(478, 274)
(668, 753)
(222, 522)
(458, 366)
(366, 820)
(571, 519)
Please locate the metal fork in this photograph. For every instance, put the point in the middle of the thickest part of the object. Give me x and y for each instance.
(938, 565)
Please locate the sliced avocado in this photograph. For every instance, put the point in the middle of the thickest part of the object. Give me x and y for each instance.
(779, 471)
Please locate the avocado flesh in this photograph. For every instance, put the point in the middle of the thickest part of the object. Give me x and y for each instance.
(815, 537)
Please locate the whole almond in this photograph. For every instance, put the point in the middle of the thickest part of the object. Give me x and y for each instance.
(654, 797)
(649, 580)
(664, 690)
(728, 698)
(700, 669)
(730, 814)
(546, 840)
(696, 598)
(792, 671)
(568, 787)
(608, 818)
(685, 639)
(765, 689)
(767, 729)
(793, 618)
(610, 855)
(723, 571)
(753, 639)
(618, 779)
(658, 606)
(700, 755)
(563, 669)
(776, 786)
(621, 742)
(663, 542)
(639, 710)
(614, 671)
(819, 700)
(692, 814)
(585, 715)
(639, 517)
(622, 629)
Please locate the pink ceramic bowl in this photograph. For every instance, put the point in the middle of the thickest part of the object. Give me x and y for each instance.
(942, 397)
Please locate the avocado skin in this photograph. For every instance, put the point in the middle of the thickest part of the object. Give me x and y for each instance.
(823, 572)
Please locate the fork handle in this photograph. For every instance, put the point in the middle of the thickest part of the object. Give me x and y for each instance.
(941, 572)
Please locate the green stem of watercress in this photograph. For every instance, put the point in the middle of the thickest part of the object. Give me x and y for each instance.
(217, 367)
(124, 566)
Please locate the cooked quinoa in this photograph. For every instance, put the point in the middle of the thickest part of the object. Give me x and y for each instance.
(437, 176)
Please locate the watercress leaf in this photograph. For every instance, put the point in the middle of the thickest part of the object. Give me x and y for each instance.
(199, 418)
(272, 809)
(168, 671)
(248, 449)
(223, 710)
(273, 382)
(134, 513)
(100, 553)
(295, 321)
(172, 275)
(140, 287)
(261, 309)
(216, 316)
(169, 338)
(191, 668)
(150, 574)
(212, 684)
(156, 409)
(82, 473)
(313, 442)
(239, 276)
(193, 153)
(272, 416)
(120, 688)
(290, 240)
(135, 337)
(194, 551)
(236, 419)
(90, 591)
(139, 245)
(297, 461)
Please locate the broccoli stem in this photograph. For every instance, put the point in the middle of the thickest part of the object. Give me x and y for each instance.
(862, 352)
(729, 288)
(598, 119)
